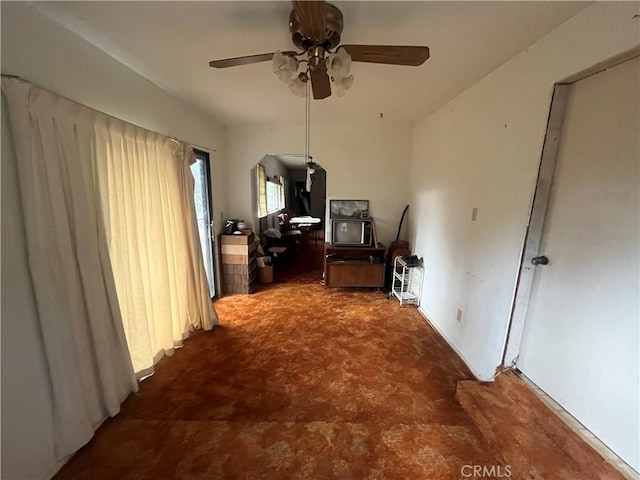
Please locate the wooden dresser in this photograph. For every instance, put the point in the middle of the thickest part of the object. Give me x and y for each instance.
(239, 270)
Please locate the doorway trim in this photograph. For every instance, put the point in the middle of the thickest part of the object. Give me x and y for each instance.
(537, 217)
(205, 156)
(539, 207)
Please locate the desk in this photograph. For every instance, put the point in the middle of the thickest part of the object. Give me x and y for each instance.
(295, 221)
(306, 225)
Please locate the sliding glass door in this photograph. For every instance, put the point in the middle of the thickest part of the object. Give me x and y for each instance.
(201, 171)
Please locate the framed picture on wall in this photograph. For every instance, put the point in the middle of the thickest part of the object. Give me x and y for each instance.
(349, 208)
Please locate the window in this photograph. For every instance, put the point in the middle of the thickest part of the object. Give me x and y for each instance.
(274, 197)
(271, 197)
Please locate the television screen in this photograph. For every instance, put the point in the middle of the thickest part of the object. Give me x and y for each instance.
(347, 232)
(351, 232)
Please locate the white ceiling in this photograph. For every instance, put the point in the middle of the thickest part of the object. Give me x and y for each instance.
(171, 44)
(293, 161)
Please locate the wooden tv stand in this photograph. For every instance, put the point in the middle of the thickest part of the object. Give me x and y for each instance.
(354, 266)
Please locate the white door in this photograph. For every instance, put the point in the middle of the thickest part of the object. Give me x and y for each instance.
(581, 338)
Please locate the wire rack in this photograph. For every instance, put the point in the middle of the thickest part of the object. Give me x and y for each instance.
(406, 285)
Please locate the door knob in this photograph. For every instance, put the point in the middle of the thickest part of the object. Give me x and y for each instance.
(541, 260)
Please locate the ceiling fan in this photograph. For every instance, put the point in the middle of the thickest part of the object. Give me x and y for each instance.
(315, 28)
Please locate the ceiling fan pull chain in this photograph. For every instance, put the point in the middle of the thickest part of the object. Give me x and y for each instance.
(307, 137)
(309, 123)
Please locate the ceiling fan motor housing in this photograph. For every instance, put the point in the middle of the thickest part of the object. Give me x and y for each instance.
(333, 29)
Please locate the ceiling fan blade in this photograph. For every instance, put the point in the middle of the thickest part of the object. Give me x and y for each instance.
(389, 54)
(233, 62)
(320, 83)
(311, 15)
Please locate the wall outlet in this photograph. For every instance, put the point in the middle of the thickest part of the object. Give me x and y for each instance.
(459, 315)
(474, 214)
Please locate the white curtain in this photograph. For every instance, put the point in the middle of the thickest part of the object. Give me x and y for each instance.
(283, 201)
(147, 189)
(80, 320)
(113, 249)
(261, 188)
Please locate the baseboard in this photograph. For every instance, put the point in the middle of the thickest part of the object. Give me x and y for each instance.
(450, 343)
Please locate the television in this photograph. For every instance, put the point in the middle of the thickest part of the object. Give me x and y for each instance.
(351, 232)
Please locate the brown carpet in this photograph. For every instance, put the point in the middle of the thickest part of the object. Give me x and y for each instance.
(303, 264)
(529, 436)
(296, 383)
(299, 382)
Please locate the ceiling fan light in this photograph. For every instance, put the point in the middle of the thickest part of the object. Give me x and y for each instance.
(343, 85)
(298, 87)
(338, 65)
(284, 66)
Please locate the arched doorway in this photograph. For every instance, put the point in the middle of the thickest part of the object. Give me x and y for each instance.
(292, 216)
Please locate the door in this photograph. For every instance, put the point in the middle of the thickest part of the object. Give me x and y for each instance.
(581, 337)
(201, 172)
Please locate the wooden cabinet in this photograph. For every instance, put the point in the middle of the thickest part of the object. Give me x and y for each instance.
(354, 266)
(239, 270)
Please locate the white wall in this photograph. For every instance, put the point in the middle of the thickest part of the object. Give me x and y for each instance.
(273, 166)
(368, 161)
(482, 150)
(45, 53)
(41, 51)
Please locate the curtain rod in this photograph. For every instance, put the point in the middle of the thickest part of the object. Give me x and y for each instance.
(171, 137)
